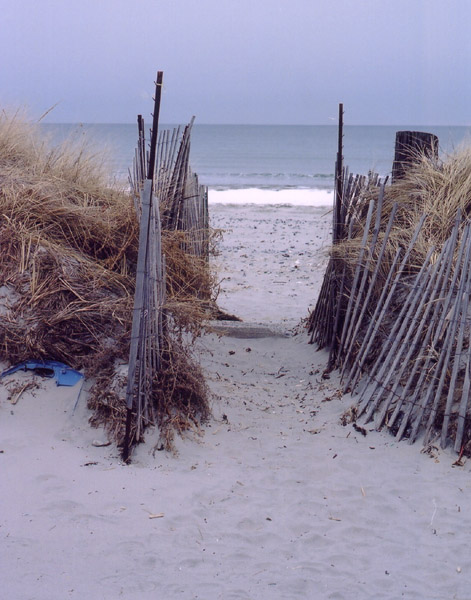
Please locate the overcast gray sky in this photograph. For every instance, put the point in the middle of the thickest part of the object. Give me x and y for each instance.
(392, 62)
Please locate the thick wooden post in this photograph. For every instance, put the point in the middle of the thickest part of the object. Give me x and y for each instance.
(410, 147)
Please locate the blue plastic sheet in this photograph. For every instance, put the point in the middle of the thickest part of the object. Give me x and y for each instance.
(62, 373)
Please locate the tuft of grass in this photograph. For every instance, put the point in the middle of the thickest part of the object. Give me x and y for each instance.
(69, 248)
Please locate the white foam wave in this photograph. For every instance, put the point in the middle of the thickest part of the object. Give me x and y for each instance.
(292, 197)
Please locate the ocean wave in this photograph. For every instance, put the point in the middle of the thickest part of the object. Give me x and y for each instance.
(264, 175)
(313, 197)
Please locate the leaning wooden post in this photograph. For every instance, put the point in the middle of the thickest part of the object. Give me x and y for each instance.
(146, 200)
(338, 232)
(155, 126)
(410, 147)
(141, 150)
(137, 362)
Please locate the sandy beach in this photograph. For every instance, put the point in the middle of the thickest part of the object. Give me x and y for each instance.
(273, 498)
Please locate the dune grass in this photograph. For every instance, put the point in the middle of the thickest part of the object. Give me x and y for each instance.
(69, 243)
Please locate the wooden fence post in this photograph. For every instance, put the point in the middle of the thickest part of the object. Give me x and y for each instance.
(155, 126)
(410, 146)
(338, 228)
(146, 201)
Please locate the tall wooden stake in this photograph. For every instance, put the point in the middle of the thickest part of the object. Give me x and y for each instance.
(146, 200)
(155, 125)
(338, 225)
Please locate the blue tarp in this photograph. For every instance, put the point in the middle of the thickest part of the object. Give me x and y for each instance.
(63, 374)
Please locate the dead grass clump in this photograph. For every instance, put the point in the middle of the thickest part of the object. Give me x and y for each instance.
(179, 397)
(435, 188)
(190, 283)
(180, 393)
(69, 247)
(67, 273)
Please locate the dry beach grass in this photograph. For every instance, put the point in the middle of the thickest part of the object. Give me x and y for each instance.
(69, 241)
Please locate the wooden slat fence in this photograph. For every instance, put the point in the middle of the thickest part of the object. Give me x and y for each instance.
(404, 353)
(167, 196)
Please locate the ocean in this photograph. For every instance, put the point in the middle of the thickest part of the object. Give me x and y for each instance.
(264, 164)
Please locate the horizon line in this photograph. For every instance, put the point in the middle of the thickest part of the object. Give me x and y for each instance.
(261, 124)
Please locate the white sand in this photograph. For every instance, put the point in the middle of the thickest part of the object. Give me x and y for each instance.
(276, 500)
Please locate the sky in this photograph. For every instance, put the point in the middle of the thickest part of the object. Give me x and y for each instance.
(390, 62)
